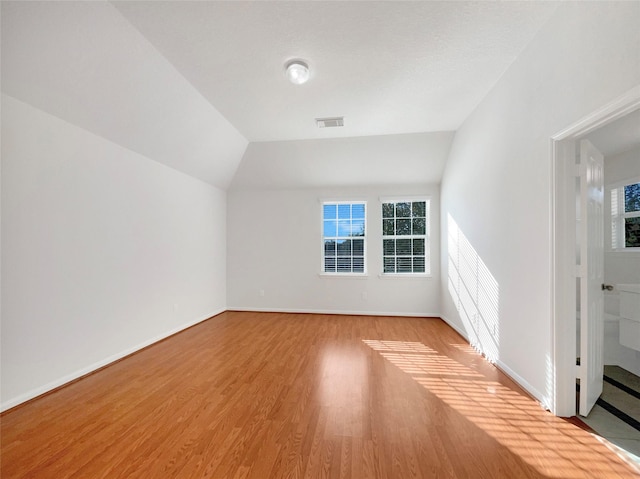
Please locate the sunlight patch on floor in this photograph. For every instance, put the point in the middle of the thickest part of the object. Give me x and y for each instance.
(554, 447)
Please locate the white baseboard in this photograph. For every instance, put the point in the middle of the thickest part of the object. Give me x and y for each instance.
(334, 311)
(524, 384)
(13, 402)
(455, 327)
(97, 365)
(544, 402)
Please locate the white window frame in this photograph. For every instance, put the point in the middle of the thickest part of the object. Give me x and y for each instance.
(426, 236)
(618, 216)
(337, 274)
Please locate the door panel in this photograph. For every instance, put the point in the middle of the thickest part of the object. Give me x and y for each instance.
(592, 275)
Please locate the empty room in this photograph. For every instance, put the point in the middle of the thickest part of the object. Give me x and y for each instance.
(309, 239)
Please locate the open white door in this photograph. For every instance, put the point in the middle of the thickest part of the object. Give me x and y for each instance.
(591, 275)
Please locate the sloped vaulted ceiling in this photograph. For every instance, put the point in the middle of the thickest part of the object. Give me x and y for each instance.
(189, 84)
(85, 63)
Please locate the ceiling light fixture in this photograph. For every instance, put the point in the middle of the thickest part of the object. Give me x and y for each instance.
(297, 72)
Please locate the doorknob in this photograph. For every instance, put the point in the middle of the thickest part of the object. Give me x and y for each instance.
(608, 287)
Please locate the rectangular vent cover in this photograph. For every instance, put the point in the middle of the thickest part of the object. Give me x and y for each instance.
(330, 122)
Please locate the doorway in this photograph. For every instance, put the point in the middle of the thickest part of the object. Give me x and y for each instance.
(606, 129)
(563, 370)
(614, 410)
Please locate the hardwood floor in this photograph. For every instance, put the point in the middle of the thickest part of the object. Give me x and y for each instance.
(257, 395)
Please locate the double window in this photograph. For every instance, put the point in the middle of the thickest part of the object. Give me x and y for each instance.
(344, 232)
(405, 235)
(625, 216)
(404, 231)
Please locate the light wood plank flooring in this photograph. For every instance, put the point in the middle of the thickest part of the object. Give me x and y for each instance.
(257, 395)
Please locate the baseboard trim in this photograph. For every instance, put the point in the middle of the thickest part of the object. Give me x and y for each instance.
(92, 368)
(455, 327)
(523, 383)
(333, 311)
(65, 380)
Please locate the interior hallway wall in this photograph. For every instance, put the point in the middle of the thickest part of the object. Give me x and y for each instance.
(496, 186)
(103, 251)
(275, 255)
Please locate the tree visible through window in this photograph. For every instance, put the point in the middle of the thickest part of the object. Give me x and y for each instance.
(405, 233)
(625, 215)
(344, 228)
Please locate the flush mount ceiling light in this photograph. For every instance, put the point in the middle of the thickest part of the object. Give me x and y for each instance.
(297, 72)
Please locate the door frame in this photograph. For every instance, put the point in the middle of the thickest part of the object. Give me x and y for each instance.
(562, 374)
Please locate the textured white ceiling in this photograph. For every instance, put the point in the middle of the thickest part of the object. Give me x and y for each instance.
(618, 136)
(188, 84)
(387, 67)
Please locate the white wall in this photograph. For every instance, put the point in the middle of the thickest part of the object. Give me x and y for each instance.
(620, 266)
(274, 222)
(496, 185)
(414, 158)
(275, 245)
(103, 251)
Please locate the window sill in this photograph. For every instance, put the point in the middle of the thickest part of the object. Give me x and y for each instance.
(624, 251)
(344, 275)
(405, 275)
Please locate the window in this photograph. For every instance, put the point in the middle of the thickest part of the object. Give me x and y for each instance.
(625, 216)
(405, 237)
(343, 237)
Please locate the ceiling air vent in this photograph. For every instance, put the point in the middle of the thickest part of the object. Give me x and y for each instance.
(330, 122)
